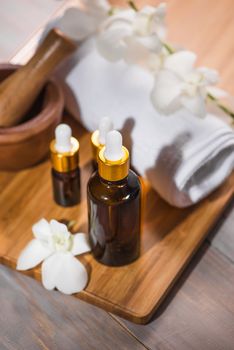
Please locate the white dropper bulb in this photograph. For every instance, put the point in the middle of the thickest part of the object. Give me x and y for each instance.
(105, 126)
(114, 142)
(63, 135)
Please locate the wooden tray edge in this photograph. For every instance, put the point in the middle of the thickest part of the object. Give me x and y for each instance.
(128, 314)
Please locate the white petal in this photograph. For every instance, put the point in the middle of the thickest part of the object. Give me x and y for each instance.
(158, 24)
(64, 272)
(32, 255)
(41, 230)
(110, 43)
(181, 62)
(141, 25)
(77, 24)
(151, 42)
(195, 104)
(80, 244)
(135, 52)
(121, 18)
(216, 92)
(161, 31)
(139, 49)
(211, 76)
(59, 228)
(150, 20)
(147, 10)
(101, 5)
(154, 62)
(159, 11)
(166, 92)
(162, 9)
(97, 9)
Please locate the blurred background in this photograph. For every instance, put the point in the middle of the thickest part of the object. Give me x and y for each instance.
(206, 27)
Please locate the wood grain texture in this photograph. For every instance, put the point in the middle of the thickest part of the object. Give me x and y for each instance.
(170, 237)
(199, 312)
(32, 318)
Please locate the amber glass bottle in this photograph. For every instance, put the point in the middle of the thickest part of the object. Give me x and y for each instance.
(65, 167)
(114, 206)
(66, 187)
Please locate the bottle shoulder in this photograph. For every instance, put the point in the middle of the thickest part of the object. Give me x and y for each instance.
(65, 175)
(114, 192)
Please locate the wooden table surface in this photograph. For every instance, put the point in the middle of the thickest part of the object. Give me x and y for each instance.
(199, 312)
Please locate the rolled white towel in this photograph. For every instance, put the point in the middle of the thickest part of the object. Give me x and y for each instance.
(183, 157)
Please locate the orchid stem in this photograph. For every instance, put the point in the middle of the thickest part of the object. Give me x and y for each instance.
(111, 11)
(170, 49)
(70, 224)
(225, 109)
(133, 5)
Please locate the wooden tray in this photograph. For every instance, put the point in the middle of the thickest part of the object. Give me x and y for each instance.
(169, 239)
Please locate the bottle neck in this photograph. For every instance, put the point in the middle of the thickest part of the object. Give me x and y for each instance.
(121, 182)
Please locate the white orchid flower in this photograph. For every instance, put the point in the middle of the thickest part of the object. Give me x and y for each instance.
(132, 35)
(150, 20)
(56, 248)
(179, 84)
(79, 22)
(96, 7)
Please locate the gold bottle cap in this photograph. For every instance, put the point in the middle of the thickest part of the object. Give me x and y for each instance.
(113, 159)
(96, 145)
(65, 161)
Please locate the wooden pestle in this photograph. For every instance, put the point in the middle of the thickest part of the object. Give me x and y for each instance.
(19, 90)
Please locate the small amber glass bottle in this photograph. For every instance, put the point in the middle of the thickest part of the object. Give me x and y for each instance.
(65, 167)
(114, 206)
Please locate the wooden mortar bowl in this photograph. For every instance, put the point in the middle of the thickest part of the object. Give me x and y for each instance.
(27, 144)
